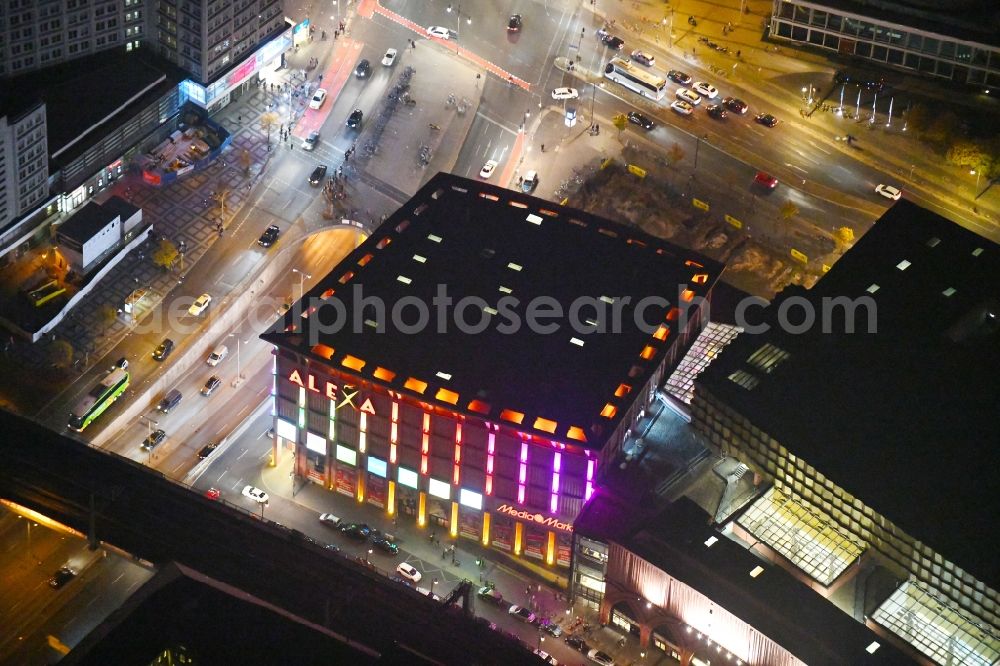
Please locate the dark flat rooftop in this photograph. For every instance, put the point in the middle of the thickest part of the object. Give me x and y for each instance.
(776, 604)
(81, 94)
(975, 20)
(93, 217)
(485, 242)
(904, 419)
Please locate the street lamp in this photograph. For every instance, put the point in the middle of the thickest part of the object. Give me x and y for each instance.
(369, 559)
(697, 145)
(458, 20)
(433, 583)
(978, 174)
(149, 423)
(239, 343)
(541, 639)
(302, 277)
(30, 525)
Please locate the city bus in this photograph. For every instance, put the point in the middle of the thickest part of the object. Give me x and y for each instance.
(635, 78)
(99, 399)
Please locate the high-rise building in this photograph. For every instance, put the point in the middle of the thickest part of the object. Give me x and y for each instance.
(24, 161)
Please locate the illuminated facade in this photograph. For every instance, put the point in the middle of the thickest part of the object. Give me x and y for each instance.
(494, 436)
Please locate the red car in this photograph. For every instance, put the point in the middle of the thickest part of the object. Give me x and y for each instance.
(765, 180)
(213, 493)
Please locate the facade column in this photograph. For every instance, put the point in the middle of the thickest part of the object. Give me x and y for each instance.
(645, 631)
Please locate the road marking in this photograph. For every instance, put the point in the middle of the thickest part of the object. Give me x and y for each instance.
(220, 477)
(118, 579)
(242, 453)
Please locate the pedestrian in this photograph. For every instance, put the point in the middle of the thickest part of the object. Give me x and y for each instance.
(738, 53)
(241, 119)
(444, 553)
(543, 147)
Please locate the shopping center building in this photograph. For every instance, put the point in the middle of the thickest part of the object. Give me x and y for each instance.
(497, 429)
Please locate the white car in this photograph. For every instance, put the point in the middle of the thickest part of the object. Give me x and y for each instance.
(565, 93)
(546, 657)
(688, 96)
(439, 32)
(256, 494)
(888, 191)
(389, 58)
(199, 305)
(643, 58)
(329, 519)
(601, 658)
(682, 107)
(408, 572)
(488, 169)
(318, 98)
(705, 89)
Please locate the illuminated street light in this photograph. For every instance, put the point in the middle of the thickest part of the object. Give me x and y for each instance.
(302, 277)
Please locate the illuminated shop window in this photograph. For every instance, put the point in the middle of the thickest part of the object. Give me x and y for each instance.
(346, 455)
(471, 499)
(315, 443)
(439, 489)
(377, 466)
(407, 477)
(286, 430)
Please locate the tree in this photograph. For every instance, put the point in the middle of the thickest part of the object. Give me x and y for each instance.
(965, 153)
(844, 238)
(221, 194)
(788, 210)
(942, 129)
(106, 316)
(620, 122)
(60, 354)
(918, 118)
(165, 254)
(675, 154)
(267, 121)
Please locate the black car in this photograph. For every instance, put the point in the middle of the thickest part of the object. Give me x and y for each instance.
(717, 111)
(577, 644)
(359, 532)
(363, 70)
(61, 577)
(163, 351)
(610, 40)
(766, 119)
(385, 545)
(207, 450)
(318, 174)
(736, 105)
(642, 121)
(269, 236)
(678, 76)
(154, 439)
(354, 120)
(514, 23)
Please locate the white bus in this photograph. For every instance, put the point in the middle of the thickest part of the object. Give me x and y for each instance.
(635, 78)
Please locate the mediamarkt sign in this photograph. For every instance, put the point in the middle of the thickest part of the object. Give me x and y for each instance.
(534, 517)
(331, 392)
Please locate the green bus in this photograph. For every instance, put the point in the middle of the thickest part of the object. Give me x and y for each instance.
(99, 399)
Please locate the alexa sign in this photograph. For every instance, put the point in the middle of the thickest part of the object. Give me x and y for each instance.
(330, 389)
(534, 517)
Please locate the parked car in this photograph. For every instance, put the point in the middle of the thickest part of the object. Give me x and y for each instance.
(514, 23)
(766, 119)
(355, 119)
(682, 107)
(439, 32)
(565, 93)
(211, 385)
(488, 169)
(408, 572)
(200, 305)
(552, 628)
(61, 577)
(163, 350)
(736, 105)
(705, 89)
(256, 494)
(363, 70)
(207, 450)
(577, 644)
(612, 42)
(688, 96)
(311, 141)
(318, 98)
(385, 545)
(765, 180)
(153, 439)
(643, 58)
(717, 111)
(642, 121)
(358, 532)
(680, 77)
(389, 58)
(270, 236)
(491, 595)
(329, 519)
(522, 613)
(318, 174)
(602, 658)
(213, 493)
(545, 656)
(888, 191)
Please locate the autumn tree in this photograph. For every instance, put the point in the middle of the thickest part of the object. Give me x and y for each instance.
(788, 210)
(620, 121)
(106, 316)
(245, 161)
(267, 122)
(844, 238)
(675, 154)
(60, 354)
(165, 253)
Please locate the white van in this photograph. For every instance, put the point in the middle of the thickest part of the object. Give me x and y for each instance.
(529, 182)
(218, 355)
